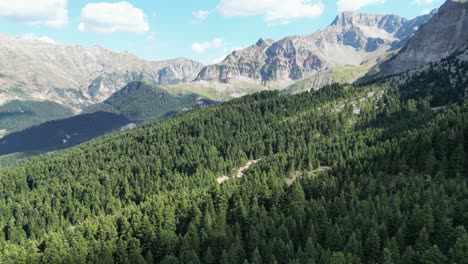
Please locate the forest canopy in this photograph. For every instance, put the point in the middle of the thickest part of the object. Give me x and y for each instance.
(372, 173)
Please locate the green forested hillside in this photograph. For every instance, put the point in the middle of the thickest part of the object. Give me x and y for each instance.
(18, 115)
(138, 102)
(370, 174)
(142, 102)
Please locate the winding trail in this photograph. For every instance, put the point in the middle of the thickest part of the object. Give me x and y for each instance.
(240, 172)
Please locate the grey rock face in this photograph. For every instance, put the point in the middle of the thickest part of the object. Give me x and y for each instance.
(444, 34)
(351, 39)
(77, 76)
(411, 26)
(389, 23)
(247, 62)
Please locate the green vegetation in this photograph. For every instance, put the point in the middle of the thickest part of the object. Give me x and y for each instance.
(346, 74)
(313, 82)
(18, 115)
(12, 159)
(395, 190)
(136, 103)
(141, 102)
(349, 74)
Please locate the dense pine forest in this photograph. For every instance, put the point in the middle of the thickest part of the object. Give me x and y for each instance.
(371, 173)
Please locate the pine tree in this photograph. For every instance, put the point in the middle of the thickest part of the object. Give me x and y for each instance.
(422, 244)
(208, 257)
(256, 258)
(460, 250)
(372, 246)
(338, 258)
(434, 256)
(387, 256)
(409, 257)
(170, 259)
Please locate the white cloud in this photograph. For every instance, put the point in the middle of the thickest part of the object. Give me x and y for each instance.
(202, 47)
(425, 12)
(113, 17)
(200, 16)
(272, 10)
(41, 38)
(49, 13)
(422, 2)
(353, 5)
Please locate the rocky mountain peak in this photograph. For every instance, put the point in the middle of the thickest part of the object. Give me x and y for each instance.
(344, 18)
(351, 40)
(389, 23)
(263, 43)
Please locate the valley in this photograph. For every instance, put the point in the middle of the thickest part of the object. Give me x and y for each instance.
(148, 179)
(346, 145)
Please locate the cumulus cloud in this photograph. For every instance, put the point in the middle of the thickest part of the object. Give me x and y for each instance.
(353, 5)
(200, 16)
(49, 13)
(41, 38)
(113, 17)
(272, 10)
(202, 47)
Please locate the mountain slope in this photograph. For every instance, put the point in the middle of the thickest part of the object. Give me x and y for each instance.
(77, 76)
(444, 34)
(352, 39)
(142, 102)
(17, 115)
(61, 134)
(385, 184)
(135, 104)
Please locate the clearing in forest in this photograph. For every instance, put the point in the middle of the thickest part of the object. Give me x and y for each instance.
(239, 173)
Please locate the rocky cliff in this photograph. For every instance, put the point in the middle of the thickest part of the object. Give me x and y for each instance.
(444, 34)
(247, 62)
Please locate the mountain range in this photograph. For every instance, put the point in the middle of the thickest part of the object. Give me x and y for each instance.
(352, 39)
(77, 76)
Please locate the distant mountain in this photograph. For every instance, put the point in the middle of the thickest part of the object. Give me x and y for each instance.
(444, 34)
(77, 76)
(247, 62)
(141, 102)
(351, 40)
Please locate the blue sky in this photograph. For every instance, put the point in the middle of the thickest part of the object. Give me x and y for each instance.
(204, 30)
